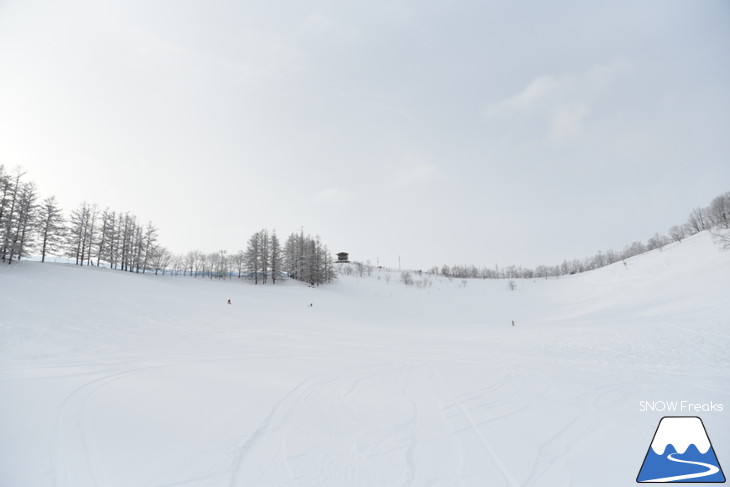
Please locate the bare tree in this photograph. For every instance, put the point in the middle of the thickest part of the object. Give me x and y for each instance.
(719, 211)
(253, 257)
(50, 227)
(406, 278)
(26, 214)
(721, 237)
(128, 229)
(161, 259)
(698, 220)
(10, 187)
(7, 197)
(105, 242)
(275, 256)
(178, 264)
(677, 232)
(239, 260)
(657, 242)
(192, 262)
(148, 246)
(81, 232)
(264, 258)
(307, 259)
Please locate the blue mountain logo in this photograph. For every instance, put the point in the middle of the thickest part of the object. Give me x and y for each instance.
(680, 452)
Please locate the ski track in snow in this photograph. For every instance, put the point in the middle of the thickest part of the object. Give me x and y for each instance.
(74, 455)
(72, 436)
(276, 429)
(74, 444)
(507, 477)
(277, 445)
(377, 384)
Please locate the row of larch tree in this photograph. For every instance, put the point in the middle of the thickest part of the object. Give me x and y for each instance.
(17, 205)
(265, 260)
(714, 218)
(117, 239)
(308, 259)
(90, 236)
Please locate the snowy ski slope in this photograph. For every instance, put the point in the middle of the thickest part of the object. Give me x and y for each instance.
(115, 379)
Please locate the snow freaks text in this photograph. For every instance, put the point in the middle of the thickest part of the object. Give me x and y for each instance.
(683, 407)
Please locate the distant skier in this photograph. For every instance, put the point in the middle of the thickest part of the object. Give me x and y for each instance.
(513, 322)
(229, 301)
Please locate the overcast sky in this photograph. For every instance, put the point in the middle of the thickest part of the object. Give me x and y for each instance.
(480, 132)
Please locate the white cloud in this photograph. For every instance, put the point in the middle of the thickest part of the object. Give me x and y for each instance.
(604, 75)
(561, 103)
(538, 89)
(567, 120)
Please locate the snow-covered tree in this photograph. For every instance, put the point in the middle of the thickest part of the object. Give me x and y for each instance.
(657, 242)
(307, 259)
(721, 236)
(698, 220)
(161, 260)
(719, 211)
(677, 232)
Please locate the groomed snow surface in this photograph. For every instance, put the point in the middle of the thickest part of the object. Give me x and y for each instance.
(116, 379)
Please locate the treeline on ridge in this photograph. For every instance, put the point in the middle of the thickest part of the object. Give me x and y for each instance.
(90, 236)
(714, 216)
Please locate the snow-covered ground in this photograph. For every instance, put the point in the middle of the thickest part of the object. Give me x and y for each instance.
(116, 379)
